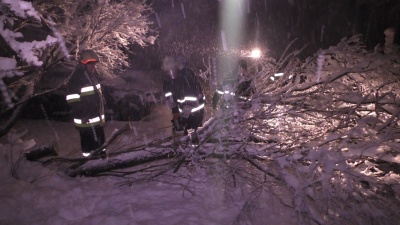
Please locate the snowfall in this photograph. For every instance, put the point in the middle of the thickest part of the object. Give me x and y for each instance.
(341, 185)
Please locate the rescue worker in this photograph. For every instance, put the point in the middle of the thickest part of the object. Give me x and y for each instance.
(183, 95)
(244, 89)
(225, 93)
(241, 88)
(86, 100)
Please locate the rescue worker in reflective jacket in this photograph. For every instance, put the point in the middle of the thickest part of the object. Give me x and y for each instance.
(183, 95)
(225, 93)
(86, 100)
(242, 89)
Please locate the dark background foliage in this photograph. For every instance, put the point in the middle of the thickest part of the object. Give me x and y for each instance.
(315, 23)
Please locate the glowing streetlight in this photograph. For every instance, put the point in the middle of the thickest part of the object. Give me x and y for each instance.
(255, 53)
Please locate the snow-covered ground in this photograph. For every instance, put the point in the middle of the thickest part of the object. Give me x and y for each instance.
(45, 195)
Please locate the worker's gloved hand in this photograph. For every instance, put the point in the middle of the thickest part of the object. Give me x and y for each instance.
(178, 124)
(176, 116)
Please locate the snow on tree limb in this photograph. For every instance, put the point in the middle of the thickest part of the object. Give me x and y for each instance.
(28, 52)
(8, 67)
(22, 9)
(109, 28)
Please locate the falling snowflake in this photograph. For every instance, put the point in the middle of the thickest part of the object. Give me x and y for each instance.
(320, 63)
(183, 10)
(223, 38)
(158, 20)
(322, 33)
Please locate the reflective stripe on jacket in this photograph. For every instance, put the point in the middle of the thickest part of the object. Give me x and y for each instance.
(184, 91)
(86, 98)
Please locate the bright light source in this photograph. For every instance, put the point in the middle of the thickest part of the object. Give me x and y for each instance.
(255, 53)
(278, 74)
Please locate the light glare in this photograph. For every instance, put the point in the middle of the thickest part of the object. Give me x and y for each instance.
(255, 53)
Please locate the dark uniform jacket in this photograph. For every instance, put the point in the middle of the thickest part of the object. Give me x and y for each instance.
(184, 91)
(244, 89)
(86, 98)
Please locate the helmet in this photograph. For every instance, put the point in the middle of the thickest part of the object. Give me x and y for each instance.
(169, 63)
(89, 56)
(181, 61)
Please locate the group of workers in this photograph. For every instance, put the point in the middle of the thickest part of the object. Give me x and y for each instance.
(182, 90)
